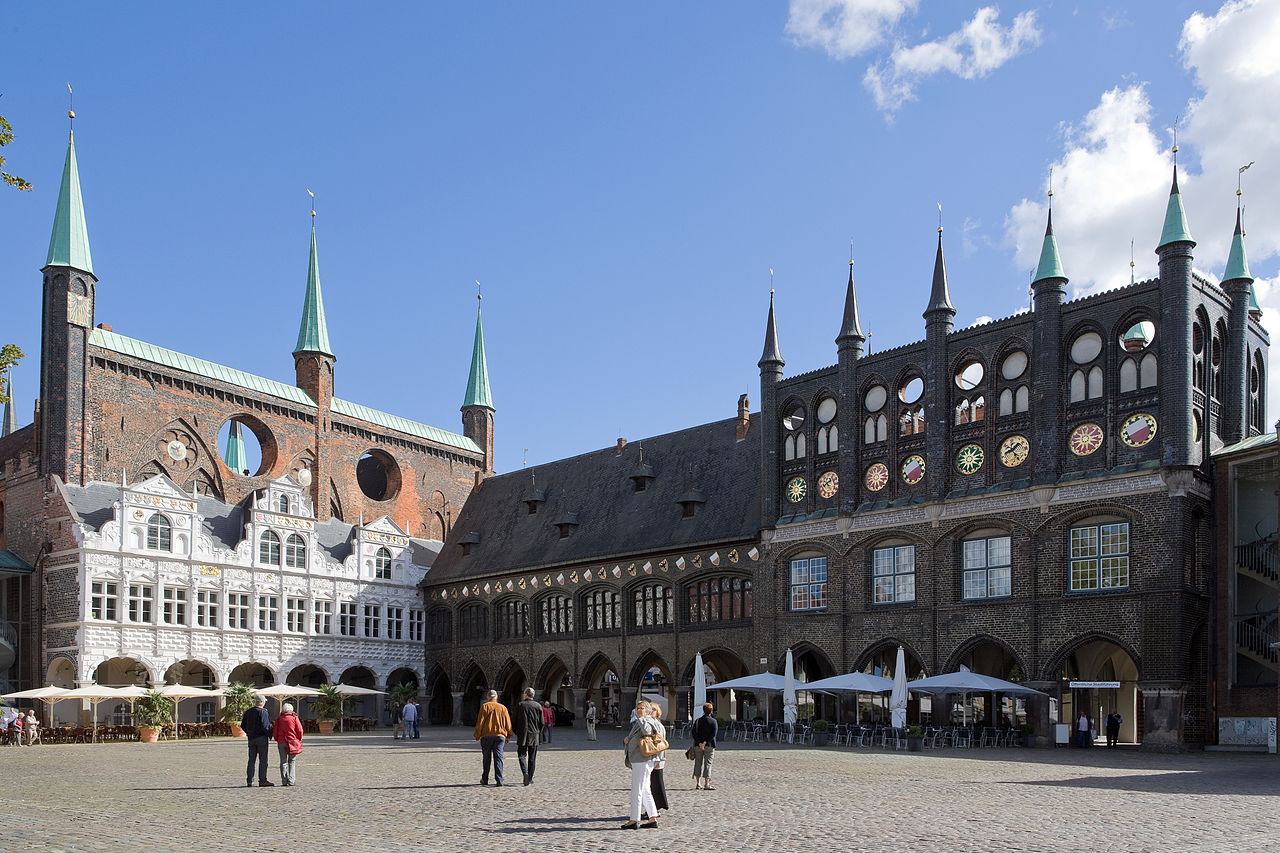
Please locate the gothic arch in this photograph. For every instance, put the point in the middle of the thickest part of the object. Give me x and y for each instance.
(968, 647)
(647, 660)
(1057, 661)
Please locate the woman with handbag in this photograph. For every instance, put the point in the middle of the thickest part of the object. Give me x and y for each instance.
(656, 785)
(643, 743)
(287, 733)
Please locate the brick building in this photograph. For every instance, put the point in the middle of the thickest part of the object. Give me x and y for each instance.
(167, 518)
(1031, 498)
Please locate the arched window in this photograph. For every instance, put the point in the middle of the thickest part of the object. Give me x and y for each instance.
(382, 564)
(159, 533)
(1006, 402)
(719, 600)
(1197, 353)
(511, 619)
(1257, 392)
(600, 611)
(295, 552)
(269, 549)
(828, 439)
(1022, 399)
(555, 615)
(869, 431)
(1128, 376)
(283, 504)
(653, 606)
(882, 427)
(1147, 372)
(473, 623)
(789, 448)
(1095, 383)
(1078, 388)
(440, 626)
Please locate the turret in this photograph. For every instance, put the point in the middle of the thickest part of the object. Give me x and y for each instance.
(939, 319)
(477, 405)
(313, 363)
(1176, 283)
(849, 348)
(770, 364)
(1049, 289)
(1237, 282)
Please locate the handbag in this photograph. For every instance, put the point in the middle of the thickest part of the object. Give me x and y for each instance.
(651, 745)
(688, 753)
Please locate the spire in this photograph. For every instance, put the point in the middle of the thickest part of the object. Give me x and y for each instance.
(771, 354)
(1175, 218)
(313, 333)
(1050, 264)
(850, 327)
(478, 382)
(69, 243)
(235, 457)
(1237, 261)
(9, 424)
(939, 298)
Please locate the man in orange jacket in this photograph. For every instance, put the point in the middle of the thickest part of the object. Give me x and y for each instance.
(493, 727)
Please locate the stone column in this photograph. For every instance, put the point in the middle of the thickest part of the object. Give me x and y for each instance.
(580, 706)
(1162, 709)
(457, 707)
(626, 704)
(1038, 712)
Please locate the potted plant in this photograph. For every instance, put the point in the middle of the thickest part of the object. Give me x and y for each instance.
(238, 699)
(1028, 734)
(329, 707)
(151, 713)
(915, 738)
(820, 735)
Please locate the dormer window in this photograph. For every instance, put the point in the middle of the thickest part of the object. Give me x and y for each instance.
(467, 541)
(159, 533)
(382, 564)
(566, 524)
(283, 504)
(690, 501)
(533, 499)
(641, 476)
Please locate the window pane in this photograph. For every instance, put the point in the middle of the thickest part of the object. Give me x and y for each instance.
(999, 582)
(975, 554)
(799, 571)
(975, 584)
(1084, 574)
(905, 555)
(884, 590)
(882, 563)
(818, 570)
(998, 551)
(1084, 542)
(1115, 572)
(906, 588)
(1115, 538)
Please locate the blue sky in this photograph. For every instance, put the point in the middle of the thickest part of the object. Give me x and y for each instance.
(620, 179)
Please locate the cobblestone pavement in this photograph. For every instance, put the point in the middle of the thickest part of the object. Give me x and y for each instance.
(370, 791)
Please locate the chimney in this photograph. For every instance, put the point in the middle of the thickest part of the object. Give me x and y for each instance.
(744, 417)
(106, 327)
(622, 442)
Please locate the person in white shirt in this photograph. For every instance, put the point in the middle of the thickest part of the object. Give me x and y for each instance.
(410, 713)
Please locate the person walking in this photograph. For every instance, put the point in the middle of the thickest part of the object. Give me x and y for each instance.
(31, 727)
(641, 766)
(493, 727)
(287, 733)
(705, 729)
(1112, 724)
(1084, 730)
(256, 724)
(528, 723)
(397, 722)
(592, 717)
(548, 720)
(410, 716)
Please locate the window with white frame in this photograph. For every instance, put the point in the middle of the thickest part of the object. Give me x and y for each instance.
(268, 613)
(893, 573)
(295, 552)
(159, 533)
(324, 616)
(295, 615)
(174, 606)
(809, 583)
(416, 622)
(986, 569)
(238, 610)
(382, 564)
(207, 608)
(395, 623)
(1100, 556)
(347, 618)
(269, 549)
(373, 620)
(140, 599)
(102, 602)
(282, 504)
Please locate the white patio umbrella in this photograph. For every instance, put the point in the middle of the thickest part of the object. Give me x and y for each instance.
(177, 692)
(699, 686)
(789, 714)
(966, 682)
(352, 690)
(95, 693)
(851, 682)
(48, 695)
(898, 698)
(763, 682)
(281, 692)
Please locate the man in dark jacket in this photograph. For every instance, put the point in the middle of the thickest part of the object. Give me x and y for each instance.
(528, 725)
(705, 729)
(257, 728)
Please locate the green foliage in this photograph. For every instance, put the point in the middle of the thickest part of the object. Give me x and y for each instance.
(6, 136)
(1027, 729)
(330, 704)
(820, 725)
(403, 693)
(152, 709)
(914, 731)
(240, 698)
(10, 355)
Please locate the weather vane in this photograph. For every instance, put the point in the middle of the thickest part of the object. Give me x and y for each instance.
(939, 217)
(313, 203)
(479, 298)
(71, 108)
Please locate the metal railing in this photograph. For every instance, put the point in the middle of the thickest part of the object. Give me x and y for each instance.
(1260, 557)
(1254, 639)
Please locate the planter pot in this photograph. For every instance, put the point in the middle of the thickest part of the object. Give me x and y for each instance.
(914, 743)
(148, 734)
(325, 726)
(820, 738)
(236, 731)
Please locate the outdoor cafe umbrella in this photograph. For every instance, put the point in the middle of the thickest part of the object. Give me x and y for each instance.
(95, 693)
(789, 695)
(851, 682)
(280, 692)
(699, 686)
(763, 682)
(177, 692)
(898, 698)
(352, 690)
(966, 682)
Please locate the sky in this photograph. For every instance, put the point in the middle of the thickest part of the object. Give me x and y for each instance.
(626, 182)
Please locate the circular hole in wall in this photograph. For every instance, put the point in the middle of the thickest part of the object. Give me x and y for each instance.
(1086, 347)
(911, 391)
(875, 398)
(246, 446)
(378, 475)
(1014, 364)
(970, 376)
(1139, 336)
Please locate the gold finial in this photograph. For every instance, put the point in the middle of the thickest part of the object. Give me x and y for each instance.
(1051, 186)
(313, 203)
(1175, 138)
(71, 108)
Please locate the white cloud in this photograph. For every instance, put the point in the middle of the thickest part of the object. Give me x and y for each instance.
(849, 28)
(1113, 175)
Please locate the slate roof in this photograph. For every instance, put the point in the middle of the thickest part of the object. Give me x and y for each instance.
(612, 519)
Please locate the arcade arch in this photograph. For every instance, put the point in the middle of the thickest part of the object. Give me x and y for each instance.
(1096, 675)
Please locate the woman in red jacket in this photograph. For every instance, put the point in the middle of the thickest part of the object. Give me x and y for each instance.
(288, 736)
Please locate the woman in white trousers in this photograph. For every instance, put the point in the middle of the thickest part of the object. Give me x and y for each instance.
(641, 766)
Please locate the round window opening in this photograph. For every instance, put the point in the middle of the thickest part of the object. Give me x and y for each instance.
(875, 399)
(827, 411)
(911, 391)
(246, 446)
(970, 376)
(378, 475)
(794, 420)
(1085, 348)
(1139, 336)
(1014, 365)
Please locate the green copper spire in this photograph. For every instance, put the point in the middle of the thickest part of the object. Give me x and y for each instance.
(313, 334)
(1175, 218)
(235, 457)
(478, 382)
(1237, 261)
(69, 243)
(1050, 264)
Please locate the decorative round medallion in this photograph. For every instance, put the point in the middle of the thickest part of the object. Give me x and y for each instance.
(970, 458)
(177, 450)
(1014, 451)
(877, 477)
(304, 477)
(1138, 429)
(1085, 439)
(913, 470)
(797, 488)
(828, 484)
